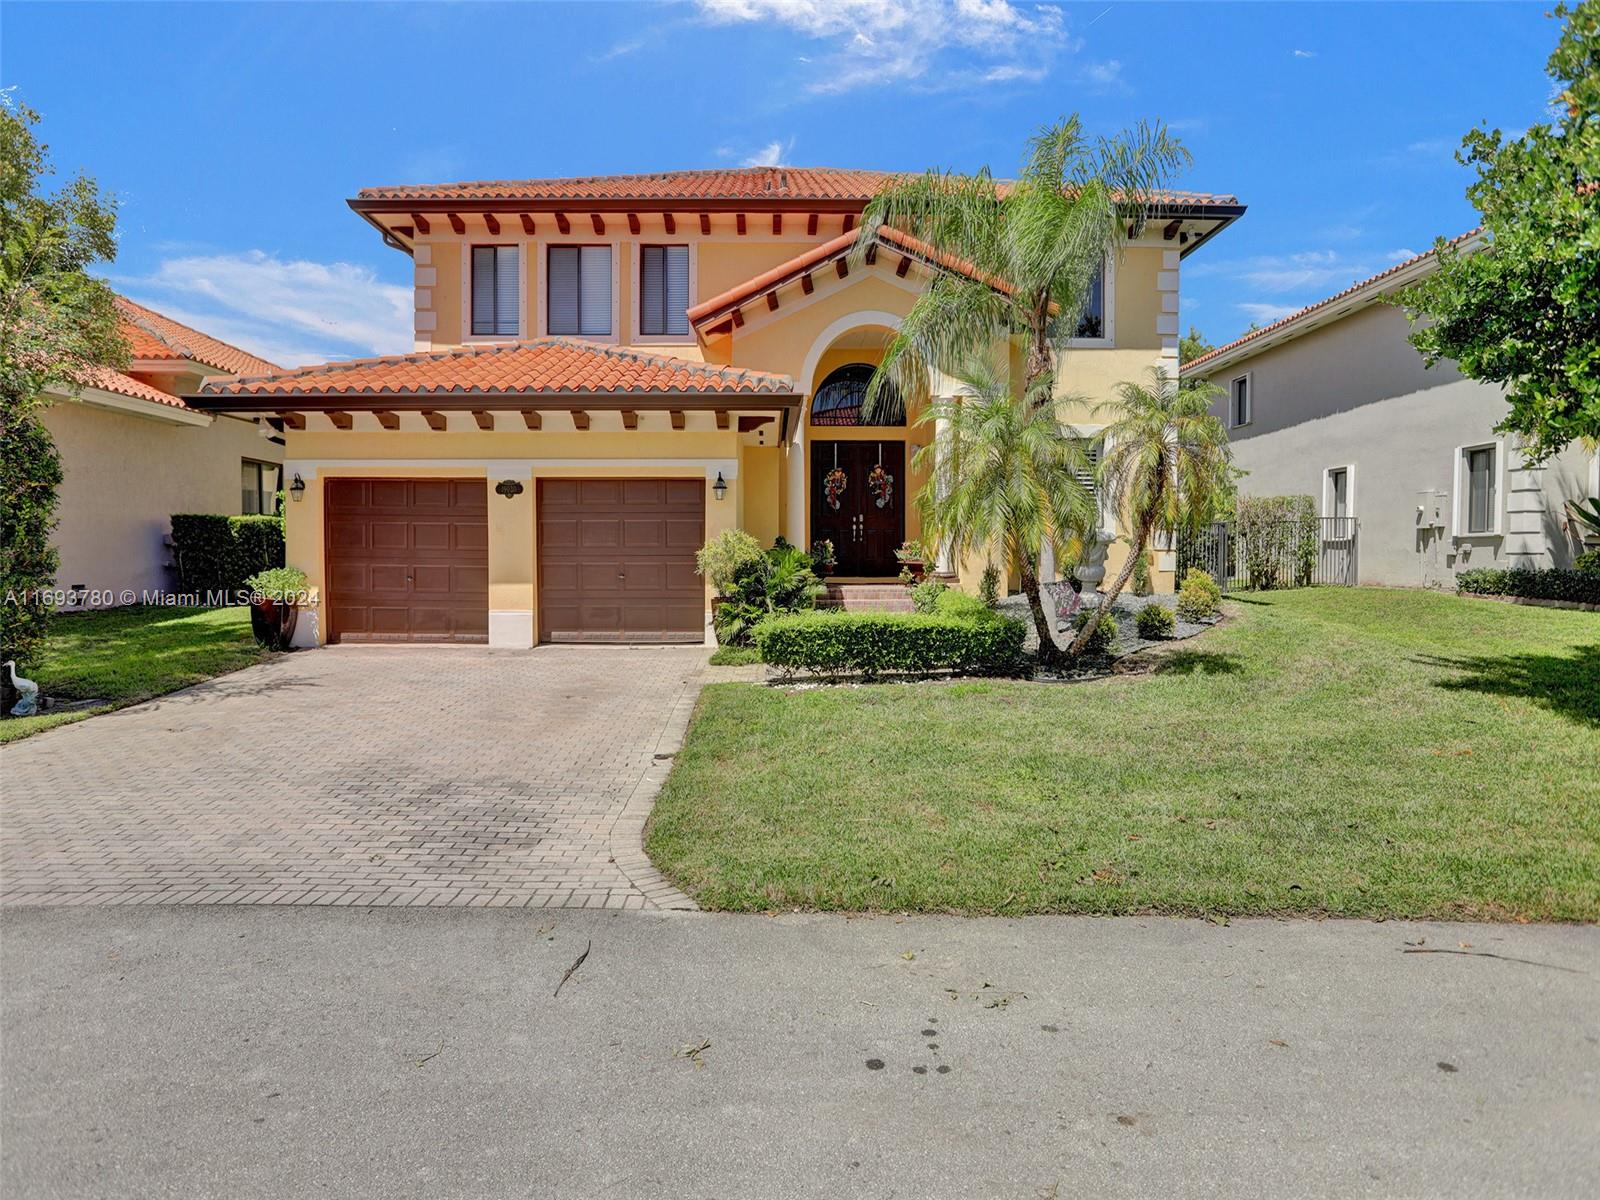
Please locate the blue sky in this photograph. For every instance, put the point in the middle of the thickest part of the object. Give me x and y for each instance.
(233, 133)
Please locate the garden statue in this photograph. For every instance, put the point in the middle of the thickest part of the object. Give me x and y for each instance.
(27, 704)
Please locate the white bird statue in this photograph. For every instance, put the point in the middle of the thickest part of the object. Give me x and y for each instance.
(27, 692)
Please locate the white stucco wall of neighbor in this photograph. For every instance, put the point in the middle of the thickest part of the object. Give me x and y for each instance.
(1354, 395)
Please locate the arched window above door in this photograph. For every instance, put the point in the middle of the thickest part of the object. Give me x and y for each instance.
(838, 401)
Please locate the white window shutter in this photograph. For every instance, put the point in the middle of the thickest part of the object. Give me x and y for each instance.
(563, 283)
(594, 291)
(508, 299)
(483, 289)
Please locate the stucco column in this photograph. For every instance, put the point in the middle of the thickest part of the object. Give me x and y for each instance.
(794, 525)
(511, 525)
(302, 547)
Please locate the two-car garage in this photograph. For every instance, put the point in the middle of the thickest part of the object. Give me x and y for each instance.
(408, 560)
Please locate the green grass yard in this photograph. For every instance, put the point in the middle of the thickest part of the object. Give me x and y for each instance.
(125, 655)
(1350, 752)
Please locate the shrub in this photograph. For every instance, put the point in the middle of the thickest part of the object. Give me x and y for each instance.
(216, 553)
(1278, 537)
(720, 558)
(777, 581)
(1588, 562)
(1141, 576)
(1154, 622)
(1556, 583)
(1199, 597)
(989, 588)
(1104, 640)
(278, 583)
(961, 607)
(30, 473)
(925, 595)
(874, 643)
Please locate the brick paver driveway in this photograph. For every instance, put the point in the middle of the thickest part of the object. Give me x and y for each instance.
(360, 775)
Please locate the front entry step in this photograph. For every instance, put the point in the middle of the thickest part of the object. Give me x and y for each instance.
(866, 597)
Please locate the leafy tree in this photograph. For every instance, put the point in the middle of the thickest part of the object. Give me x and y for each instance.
(57, 325)
(1166, 466)
(1192, 345)
(1525, 311)
(1037, 243)
(1005, 472)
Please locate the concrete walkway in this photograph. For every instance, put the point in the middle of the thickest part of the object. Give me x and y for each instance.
(361, 776)
(260, 1052)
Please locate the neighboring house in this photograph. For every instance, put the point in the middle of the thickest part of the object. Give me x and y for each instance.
(1335, 403)
(133, 453)
(608, 372)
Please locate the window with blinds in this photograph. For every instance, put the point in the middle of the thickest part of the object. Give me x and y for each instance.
(1481, 490)
(579, 291)
(495, 291)
(663, 290)
(1092, 448)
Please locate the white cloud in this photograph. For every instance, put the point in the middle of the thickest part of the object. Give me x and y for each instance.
(1304, 53)
(770, 155)
(619, 50)
(1105, 76)
(935, 43)
(291, 312)
(1313, 274)
(1266, 314)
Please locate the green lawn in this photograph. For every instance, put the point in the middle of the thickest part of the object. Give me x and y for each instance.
(1357, 752)
(125, 655)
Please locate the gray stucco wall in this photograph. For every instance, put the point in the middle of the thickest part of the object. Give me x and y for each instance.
(1356, 394)
(124, 477)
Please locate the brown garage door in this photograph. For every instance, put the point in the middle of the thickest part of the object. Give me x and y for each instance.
(616, 560)
(408, 560)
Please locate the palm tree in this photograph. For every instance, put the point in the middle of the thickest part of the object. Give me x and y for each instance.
(1004, 472)
(1034, 247)
(1166, 465)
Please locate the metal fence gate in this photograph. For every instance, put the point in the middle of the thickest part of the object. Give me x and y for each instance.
(1319, 551)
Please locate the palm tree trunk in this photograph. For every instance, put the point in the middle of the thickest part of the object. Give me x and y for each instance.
(1049, 652)
(1142, 536)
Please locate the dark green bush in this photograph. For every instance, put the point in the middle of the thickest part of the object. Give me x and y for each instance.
(779, 581)
(1556, 583)
(877, 643)
(962, 607)
(1104, 639)
(1588, 562)
(925, 595)
(216, 553)
(30, 473)
(1154, 622)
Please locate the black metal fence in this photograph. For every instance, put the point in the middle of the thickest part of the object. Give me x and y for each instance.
(1317, 551)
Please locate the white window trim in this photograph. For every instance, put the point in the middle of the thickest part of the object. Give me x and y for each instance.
(543, 245)
(1109, 340)
(1249, 378)
(1349, 496)
(640, 338)
(467, 336)
(1461, 506)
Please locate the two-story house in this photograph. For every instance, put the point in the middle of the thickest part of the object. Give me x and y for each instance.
(609, 371)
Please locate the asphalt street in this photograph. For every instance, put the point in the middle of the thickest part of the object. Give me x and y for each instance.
(285, 1052)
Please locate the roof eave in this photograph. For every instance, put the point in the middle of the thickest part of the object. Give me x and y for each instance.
(487, 401)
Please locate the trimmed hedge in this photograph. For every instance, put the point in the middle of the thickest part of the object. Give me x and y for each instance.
(1154, 622)
(215, 553)
(1103, 641)
(1199, 597)
(1556, 583)
(876, 643)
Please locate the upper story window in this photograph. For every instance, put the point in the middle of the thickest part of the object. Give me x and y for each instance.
(579, 298)
(496, 292)
(1240, 402)
(663, 291)
(1092, 324)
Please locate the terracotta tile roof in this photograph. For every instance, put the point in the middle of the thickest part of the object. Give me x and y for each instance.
(754, 184)
(108, 380)
(546, 367)
(1311, 310)
(838, 247)
(151, 335)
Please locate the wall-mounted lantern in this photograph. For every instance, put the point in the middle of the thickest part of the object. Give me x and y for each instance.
(508, 488)
(297, 489)
(719, 489)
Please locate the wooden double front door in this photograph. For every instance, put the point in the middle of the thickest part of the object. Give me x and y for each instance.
(865, 517)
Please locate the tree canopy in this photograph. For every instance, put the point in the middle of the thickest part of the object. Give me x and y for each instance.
(1524, 311)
